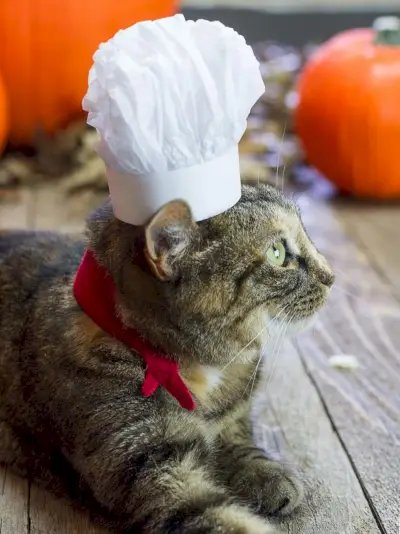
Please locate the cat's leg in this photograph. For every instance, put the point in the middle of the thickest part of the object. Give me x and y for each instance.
(266, 485)
(165, 485)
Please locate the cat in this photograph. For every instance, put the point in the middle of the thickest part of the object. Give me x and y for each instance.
(207, 293)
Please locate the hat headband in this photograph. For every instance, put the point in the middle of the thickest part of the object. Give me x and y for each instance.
(209, 188)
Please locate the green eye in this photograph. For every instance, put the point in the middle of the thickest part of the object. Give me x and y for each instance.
(276, 254)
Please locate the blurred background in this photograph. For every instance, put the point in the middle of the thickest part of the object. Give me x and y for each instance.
(296, 132)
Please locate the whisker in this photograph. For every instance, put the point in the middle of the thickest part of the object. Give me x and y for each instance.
(274, 361)
(283, 176)
(363, 300)
(346, 292)
(388, 309)
(253, 376)
(278, 345)
(279, 157)
(280, 326)
(245, 347)
(279, 160)
(277, 351)
(350, 281)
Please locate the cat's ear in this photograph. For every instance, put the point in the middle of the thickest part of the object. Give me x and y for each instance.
(166, 237)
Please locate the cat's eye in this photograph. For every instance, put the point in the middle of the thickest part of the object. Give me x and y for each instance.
(276, 254)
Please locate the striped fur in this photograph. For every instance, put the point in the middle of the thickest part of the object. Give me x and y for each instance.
(71, 412)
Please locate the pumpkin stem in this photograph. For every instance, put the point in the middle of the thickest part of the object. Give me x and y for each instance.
(387, 31)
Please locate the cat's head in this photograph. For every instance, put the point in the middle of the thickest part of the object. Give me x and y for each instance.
(206, 289)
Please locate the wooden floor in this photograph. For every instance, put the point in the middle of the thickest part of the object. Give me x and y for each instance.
(341, 429)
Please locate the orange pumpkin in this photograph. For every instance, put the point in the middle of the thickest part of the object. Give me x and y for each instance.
(348, 116)
(46, 52)
(3, 116)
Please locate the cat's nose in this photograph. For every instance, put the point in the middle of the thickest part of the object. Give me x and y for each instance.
(327, 278)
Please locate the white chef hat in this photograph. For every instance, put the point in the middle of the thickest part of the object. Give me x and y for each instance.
(170, 100)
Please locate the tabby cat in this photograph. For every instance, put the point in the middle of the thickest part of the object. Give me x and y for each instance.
(71, 404)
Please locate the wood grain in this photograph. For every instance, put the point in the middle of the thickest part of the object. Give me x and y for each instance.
(51, 515)
(57, 211)
(362, 319)
(377, 231)
(19, 212)
(295, 421)
(14, 503)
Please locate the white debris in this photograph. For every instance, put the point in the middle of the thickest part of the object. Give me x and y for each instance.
(345, 362)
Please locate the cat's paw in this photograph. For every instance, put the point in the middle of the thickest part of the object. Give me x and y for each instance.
(270, 488)
(283, 491)
(224, 519)
(235, 519)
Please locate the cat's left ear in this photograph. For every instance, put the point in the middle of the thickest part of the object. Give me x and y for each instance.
(167, 236)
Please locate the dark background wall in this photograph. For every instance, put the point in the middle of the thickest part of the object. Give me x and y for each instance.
(290, 28)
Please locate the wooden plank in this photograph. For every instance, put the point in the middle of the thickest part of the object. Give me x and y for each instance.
(362, 319)
(56, 210)
(14, 502)
(377, 230)
(51, 515)
(293, 420)
(19, 212)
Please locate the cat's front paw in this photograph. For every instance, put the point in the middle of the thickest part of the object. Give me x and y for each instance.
(269, 487)
(225, 519)
(231, 520)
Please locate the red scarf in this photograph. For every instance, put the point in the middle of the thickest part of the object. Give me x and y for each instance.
(94, 291)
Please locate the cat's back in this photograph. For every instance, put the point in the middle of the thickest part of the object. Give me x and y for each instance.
(29, 261)
(36, 273)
